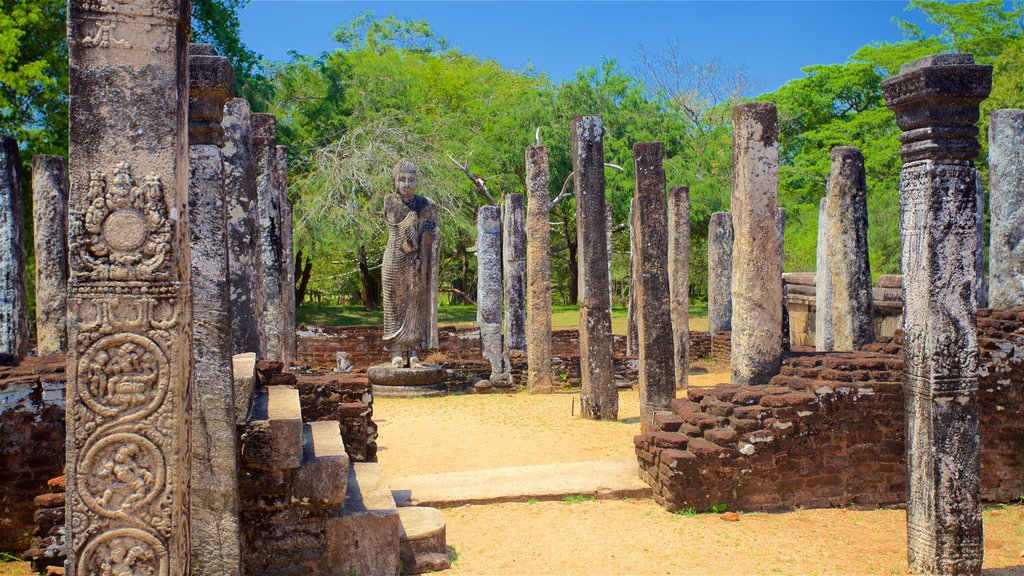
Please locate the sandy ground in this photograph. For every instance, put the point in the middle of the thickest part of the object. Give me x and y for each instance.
(471, 432)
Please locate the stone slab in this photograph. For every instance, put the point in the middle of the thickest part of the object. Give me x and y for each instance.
(323, 477)
(388, 375)
(423, 547)
(365, 538)
(602, 479)
(273, 437)
(382, 391)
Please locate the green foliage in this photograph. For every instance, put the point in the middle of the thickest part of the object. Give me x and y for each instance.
(687, 512)
(719, 508)
(577, 498)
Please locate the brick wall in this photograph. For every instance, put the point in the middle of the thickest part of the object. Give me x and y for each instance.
(828, 431)
(31, 442)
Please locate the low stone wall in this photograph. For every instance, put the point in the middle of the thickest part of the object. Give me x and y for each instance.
(721, 347)
(827, 431)
(31, 442)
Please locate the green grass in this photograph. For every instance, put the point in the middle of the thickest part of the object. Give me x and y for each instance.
(563, 317)
(576, 499)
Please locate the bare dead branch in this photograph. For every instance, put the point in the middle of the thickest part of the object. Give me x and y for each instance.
(459, 293)
(478, 182)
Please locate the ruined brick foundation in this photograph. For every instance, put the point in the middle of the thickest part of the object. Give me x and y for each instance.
(828, 431)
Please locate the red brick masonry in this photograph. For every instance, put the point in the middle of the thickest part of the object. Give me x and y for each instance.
(828, 431)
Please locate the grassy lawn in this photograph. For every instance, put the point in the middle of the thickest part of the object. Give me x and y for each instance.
(562, 317)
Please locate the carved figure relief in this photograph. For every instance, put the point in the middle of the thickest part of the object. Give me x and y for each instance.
(124, 552)
(123, 472)
(103, 36)
(125, 376)
(125, 232)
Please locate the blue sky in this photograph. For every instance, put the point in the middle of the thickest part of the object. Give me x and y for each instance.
(772, 40)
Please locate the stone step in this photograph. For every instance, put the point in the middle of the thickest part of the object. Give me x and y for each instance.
(272, 439)
(422, 540)
(243, 368)
(323, 477)
(364, 539)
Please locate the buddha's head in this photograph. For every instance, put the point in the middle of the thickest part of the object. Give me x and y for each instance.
(405, 179)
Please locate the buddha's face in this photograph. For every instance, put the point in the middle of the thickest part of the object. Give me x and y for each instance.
(406, 182)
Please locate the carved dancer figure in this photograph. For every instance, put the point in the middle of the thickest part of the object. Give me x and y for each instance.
(410, 269)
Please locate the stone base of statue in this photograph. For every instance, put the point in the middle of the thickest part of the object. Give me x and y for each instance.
(392, 382)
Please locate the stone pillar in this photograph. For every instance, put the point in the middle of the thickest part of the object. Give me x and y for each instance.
(13, 301)
(268, 205)
(599, 399)
(215, 541)
(936, 103)
(632, 342)
(784, 332)
(50, 224)
(824, 330)
(846, 224)
(1006, 201)
(243, 230)
(287, 257)
(488, 291)
(756, 262)
(653, 313)
(610, 242)
(720, 239)
(129, 362)
(513, 248)
(980, 279)
(679, 279)
(538, 271)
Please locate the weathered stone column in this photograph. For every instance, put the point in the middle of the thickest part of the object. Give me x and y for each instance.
(846, 224)
(268, 205)
(980, 279)
(720, 238)
(243, 230)
(13, 300)
(50, 225)
(756, 262)
(632, 336)
(654, 314)
(610, 242)
(215, 541)
(538, 271)
(287, 257)
(936, 103)
(488, 291)
(679, 279)
(780, 223)
(513, 248)
(1006, 201)
(824, 329)
(599, 399)
(129, 360)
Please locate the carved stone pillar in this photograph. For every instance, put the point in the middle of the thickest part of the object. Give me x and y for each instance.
(824, 330)
(936, 103)
(488, 292)
(679, 279)
(599, 399)
(13, 301)
(720, 273)
(50, 225)
(129, 311)
(1006, 198)
(632, 336)
(538, 271)
(216, 542)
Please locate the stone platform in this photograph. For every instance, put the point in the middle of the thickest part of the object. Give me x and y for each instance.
(391, 382)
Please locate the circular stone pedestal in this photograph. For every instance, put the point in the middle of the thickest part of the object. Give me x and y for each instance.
(389, 381)
(422, 546)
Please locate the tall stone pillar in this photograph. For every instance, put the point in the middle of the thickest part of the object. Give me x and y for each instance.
(980, 279)
(13, 301)
(50, 225)
(780, 223)
(679, 279)
(538, 271)
(243, 230)
(1006, 201)
(824, 330)
(599, 399)
(756, 262)
(513, 248)
(216, 542)
(268, 205)
(488, 291)
(610, 243)
(846, 224)
(936, 103)
(129, 359)
(720, 238)
(653, 314)
(632, 336)
(280, 177)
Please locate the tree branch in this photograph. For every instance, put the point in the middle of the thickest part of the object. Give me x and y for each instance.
(478, 182)
(459, 293)
(565, 185)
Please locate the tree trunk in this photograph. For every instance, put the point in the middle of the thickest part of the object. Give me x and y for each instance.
(574, 271)
(371, 289)
(303, 277)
